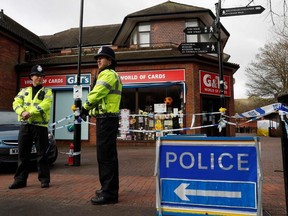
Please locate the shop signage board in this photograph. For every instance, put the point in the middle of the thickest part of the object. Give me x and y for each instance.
(59, 80)
(237, 11)
(156, 76)
(200, 47)
(210, 83)
(199, 30)
(209, 175)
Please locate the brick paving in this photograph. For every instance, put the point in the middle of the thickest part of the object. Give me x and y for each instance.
(273, 198)
(76, 185)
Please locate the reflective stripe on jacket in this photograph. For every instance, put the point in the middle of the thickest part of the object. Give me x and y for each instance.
(105, 97)
(39, 107)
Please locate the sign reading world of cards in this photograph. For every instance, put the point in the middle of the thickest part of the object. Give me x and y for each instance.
(209, 175)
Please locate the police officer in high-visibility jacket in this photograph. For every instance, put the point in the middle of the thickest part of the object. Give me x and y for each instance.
(103, 102)
(32, 105)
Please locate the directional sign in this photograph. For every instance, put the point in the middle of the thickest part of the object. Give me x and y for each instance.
(212, 193)
(199, 30)
(241, 11)
(201, 47)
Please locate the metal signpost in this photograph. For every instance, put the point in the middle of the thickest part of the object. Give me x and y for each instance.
(209, 176)
(78, 101)
(222, 12)
(216, 47)
(284, 144)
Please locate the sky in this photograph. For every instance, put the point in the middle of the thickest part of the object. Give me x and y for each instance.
(248, 33)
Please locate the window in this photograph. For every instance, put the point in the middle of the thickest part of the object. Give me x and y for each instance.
(141, 36)
(144, 35)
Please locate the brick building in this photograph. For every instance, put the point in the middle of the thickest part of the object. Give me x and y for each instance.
(16, 43)
(149, 62)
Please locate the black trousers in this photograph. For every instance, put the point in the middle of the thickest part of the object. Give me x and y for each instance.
(106, 130)
(27, 134)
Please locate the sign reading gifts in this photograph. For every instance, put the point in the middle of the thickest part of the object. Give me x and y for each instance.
(176, 75)
(210, 83)
(59, 80)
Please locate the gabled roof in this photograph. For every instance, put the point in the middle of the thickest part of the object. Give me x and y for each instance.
(20, 34)
(91, 36)
(166, 10)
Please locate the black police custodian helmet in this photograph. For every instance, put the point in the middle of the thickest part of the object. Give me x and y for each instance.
(106, 51)
(37, 70)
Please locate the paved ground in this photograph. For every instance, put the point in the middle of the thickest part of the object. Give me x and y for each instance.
(72, 187)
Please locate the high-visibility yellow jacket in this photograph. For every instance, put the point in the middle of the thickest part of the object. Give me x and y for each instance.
(105, 97)
(39, 107)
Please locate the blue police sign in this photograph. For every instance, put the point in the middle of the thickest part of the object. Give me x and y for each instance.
(212, 173)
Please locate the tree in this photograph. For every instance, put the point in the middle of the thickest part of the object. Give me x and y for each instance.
(273, 13)
(244, 105)
(268, 74)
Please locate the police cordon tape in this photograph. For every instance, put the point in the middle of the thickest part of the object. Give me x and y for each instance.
(252, 114)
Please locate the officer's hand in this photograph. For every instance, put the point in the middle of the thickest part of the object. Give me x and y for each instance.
(84, 113)
(25, 115)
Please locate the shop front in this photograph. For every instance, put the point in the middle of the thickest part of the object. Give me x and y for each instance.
(151, 100)
(210, 99)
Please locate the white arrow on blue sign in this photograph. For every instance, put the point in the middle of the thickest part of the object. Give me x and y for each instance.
(209, 193)
(183, 192)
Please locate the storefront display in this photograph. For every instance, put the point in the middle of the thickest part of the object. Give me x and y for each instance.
(143, 126)
(154, 101)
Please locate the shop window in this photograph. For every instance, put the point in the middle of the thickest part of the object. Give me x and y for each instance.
(141, 102)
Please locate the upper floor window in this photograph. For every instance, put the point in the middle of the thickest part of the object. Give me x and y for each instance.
(141, 36)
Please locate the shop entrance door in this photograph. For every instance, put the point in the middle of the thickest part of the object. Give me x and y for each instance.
(209, 105)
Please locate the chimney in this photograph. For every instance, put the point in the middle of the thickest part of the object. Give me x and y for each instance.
(1, 14)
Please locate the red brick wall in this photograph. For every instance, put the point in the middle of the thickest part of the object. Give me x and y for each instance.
(168, 31)
(9, 52)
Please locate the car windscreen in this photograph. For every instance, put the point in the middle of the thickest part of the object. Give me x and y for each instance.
(9, 127)
(8, 117)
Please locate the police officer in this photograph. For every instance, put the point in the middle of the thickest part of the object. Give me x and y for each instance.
(32, 105)
(103, 102)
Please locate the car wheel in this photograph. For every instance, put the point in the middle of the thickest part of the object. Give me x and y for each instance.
(53, 154)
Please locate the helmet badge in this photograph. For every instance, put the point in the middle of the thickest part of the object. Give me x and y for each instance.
(39, 68)
(99, 50)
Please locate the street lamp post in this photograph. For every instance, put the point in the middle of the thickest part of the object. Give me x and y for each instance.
(220, 60)
(78, 101)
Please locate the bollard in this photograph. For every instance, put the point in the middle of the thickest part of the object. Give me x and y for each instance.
(284, 143)
(70, 155)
